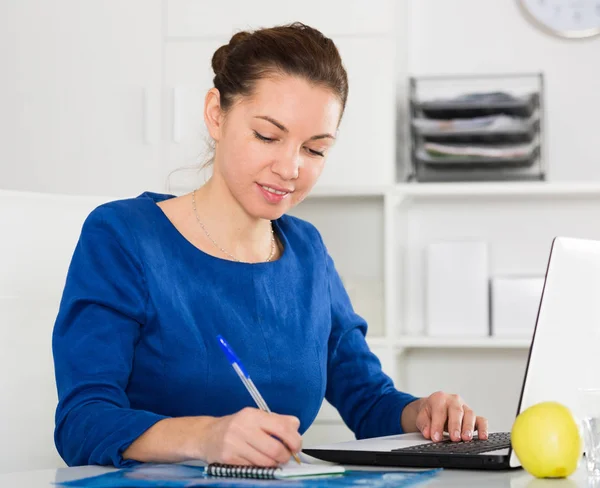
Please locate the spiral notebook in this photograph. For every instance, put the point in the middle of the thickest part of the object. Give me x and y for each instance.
(289, 470)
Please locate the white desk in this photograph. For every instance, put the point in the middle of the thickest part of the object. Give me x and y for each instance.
(448, 478)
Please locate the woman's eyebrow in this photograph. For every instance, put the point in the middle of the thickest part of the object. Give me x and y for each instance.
(282, 127)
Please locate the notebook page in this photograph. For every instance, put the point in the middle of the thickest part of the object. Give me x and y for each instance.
(293, 470)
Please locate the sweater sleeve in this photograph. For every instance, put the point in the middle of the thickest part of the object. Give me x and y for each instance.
(99, 320)
(356, 385)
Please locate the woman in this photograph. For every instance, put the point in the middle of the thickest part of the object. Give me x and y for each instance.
(155, 279)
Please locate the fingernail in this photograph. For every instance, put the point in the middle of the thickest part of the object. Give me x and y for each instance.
(436, 436)
(469, 434)
(457, 434)
(483, 434)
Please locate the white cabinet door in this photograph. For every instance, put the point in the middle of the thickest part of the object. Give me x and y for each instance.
(80, 95)
(188, 76)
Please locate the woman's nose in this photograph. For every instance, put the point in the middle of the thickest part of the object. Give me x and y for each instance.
(287, 165)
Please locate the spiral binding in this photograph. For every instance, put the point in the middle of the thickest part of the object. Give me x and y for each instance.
(234, 471)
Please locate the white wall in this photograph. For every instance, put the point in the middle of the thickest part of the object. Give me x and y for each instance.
(76, 80)
(493, 36)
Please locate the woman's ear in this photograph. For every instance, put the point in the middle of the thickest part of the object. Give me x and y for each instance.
(213, 115)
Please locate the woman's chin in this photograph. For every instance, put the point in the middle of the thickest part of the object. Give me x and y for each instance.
(273, 215)
(270, 212)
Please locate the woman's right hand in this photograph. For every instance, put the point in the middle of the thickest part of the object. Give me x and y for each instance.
(250, 437)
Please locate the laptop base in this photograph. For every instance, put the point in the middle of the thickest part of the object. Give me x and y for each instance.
(413, 460)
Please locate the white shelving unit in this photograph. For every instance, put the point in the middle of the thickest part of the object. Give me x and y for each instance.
(395, 204)
(517, 219)
(402, 198)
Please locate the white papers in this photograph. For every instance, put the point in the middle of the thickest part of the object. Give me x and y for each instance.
(509, 151)
(491, 124)
(294, 470)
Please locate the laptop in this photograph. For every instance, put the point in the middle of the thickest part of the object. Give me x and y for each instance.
(562, 358)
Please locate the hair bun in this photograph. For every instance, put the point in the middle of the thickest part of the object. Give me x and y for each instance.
(219, 59)
(238, 38)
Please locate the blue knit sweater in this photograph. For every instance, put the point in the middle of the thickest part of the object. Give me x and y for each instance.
(135, 337)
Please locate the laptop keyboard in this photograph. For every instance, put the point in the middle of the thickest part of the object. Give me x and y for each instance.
(496, 440)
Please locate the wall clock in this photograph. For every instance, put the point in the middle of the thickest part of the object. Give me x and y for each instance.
(564, 18)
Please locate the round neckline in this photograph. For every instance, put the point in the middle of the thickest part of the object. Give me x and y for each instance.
(155, 198)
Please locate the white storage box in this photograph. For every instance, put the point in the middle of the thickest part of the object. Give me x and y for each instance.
(515, 303)
(457, 289)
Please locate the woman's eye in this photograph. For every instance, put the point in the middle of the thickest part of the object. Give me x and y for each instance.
(315, 153)
(262, 138)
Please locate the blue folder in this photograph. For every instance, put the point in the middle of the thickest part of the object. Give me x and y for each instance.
(186, 476)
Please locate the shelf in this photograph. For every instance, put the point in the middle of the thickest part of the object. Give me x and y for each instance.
(422, 342)
(505, 189)
(379, 342)
(350, 191)
(430, 191)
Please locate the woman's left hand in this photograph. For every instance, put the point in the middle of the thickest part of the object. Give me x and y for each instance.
(443, 412)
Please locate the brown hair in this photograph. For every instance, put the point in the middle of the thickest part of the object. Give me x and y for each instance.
(295, 49)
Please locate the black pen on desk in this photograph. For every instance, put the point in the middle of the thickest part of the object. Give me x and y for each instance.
(248, 383)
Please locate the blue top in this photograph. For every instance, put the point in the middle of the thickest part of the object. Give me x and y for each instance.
(135, 340)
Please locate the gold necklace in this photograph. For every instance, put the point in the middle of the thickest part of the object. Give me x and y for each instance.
(271, 254)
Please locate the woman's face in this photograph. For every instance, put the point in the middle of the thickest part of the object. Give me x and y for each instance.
(271, 147)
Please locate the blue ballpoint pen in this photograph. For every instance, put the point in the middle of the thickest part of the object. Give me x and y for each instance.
(245, 377)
